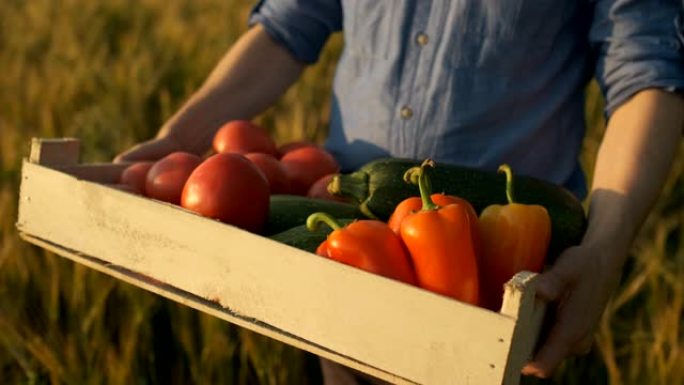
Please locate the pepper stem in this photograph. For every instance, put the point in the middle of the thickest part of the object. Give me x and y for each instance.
(418, 175)
(506, 169)
(314, 220)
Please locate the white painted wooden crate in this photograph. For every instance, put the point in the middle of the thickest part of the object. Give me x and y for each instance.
(382, 327)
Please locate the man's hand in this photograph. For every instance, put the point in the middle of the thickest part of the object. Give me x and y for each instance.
(637, 150)
(249, 78)
(150, 150)
(580, 283)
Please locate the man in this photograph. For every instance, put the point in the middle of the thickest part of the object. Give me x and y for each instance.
(479, 83)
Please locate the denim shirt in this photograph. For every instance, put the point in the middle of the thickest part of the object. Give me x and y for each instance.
(479, 82)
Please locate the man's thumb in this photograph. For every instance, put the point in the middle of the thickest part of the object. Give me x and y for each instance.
(550, 286)
(552, 283)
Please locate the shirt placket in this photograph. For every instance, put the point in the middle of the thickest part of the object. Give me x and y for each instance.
(420, 52)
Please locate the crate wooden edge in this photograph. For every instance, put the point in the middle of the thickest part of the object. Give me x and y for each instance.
(517, 304)
(209, 307)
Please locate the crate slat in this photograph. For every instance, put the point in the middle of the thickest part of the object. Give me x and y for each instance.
(106, 173)
(63, 151)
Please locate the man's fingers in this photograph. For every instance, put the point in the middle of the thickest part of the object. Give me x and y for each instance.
(570, 335)
(554, 352)
(550, 286)
(556, 348)
(151, 150)
(553, 283)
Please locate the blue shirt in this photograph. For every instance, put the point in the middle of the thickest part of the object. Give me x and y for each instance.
(479, 82)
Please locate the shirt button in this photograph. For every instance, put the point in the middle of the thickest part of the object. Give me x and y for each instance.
(422, 39)
(406, 112)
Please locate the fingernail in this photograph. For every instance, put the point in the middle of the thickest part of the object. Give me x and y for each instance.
(534, 370)
(529, 370)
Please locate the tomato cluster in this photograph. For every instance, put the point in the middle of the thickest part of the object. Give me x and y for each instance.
(233, 184)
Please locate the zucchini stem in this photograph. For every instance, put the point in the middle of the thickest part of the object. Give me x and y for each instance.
(354, 185)
(314, 220)
(365, 210)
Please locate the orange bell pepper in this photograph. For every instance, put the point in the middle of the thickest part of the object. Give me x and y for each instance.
(515, 237)
(410, 205)
(441, 244)
(367, 244)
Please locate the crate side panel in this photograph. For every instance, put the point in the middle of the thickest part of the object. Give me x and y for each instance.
(385, 324)
(210, 308)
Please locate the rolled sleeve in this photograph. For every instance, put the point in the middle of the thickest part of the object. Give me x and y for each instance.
(301, 26)
(638, 47)
(680, 25)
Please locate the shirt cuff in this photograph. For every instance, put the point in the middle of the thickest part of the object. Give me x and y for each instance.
(639, 46)
(301, 29)
(640, 67)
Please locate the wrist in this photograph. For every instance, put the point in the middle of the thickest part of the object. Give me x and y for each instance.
(184, 134)
(611, 228)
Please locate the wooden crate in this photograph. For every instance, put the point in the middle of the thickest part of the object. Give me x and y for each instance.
(387, 329)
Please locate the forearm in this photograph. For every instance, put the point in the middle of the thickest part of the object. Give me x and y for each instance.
(636, 154)
(248, 79)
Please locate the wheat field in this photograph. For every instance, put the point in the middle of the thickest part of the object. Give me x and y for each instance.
(110, 72)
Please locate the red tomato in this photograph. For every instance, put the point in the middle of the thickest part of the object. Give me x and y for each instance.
(167, 176)
(320, 189)
(230, 188)
(273, 171)
(242, 137)
(287, 147)
(306, 165)
(135, 175)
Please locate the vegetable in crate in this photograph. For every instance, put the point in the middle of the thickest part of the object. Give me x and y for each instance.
(301, 238)
(305, 165)
(291, 146)
(273, 171)
(288, 211)
(367, 244)
(409, 205)
(166, 178)
(242, 137)
(515, 237)
(230, 188)
(135, 176)
(379, 188)
(441, 244)
(320, 189)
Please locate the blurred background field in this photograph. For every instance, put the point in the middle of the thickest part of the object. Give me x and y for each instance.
(110, 72)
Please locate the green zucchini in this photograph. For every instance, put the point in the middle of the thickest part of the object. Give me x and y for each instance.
(379, 186)
(304, 239)
(288, 211)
